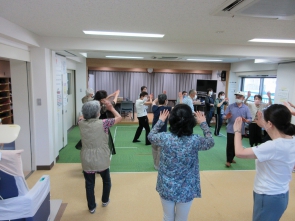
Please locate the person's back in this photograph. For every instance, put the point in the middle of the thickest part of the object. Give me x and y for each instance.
(95, 145)
(178, 181)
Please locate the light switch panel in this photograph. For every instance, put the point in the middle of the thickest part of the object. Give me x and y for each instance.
(39, 101)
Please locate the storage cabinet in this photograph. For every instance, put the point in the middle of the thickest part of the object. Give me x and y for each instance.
(6, 111)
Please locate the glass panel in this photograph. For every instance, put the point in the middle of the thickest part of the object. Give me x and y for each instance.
(251, 84)
(269, 84)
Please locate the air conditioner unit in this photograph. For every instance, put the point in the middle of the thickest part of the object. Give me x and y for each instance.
(272, 9)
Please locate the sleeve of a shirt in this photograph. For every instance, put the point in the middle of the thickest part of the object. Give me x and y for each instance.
(155, 137)
(206, 142)
(248, 114)
(107, 123)
(207, 101)
(216, 102)
(265, 151)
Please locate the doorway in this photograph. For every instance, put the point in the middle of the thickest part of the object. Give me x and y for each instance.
(71, 109)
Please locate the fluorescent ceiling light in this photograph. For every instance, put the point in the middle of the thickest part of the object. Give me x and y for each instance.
(124, 57)
(126, 34)
(261, 61)
(192, 59)
(84, 54)
(272, 40)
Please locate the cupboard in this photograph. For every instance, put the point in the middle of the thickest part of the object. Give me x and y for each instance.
(6, 110)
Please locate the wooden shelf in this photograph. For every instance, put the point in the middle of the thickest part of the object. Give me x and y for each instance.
(6, 98)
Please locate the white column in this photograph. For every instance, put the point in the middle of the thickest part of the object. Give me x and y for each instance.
(42, 113)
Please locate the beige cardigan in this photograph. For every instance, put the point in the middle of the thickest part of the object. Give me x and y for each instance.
(95, 152)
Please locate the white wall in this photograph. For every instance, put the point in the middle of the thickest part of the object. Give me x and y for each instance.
(81, 84)
(42, 88)
(14, 53)
(220, 84)
(21, 111)
(286, 82)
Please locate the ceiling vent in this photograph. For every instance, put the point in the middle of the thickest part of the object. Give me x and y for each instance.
(272, 9)
(166, 58)
(66, 53)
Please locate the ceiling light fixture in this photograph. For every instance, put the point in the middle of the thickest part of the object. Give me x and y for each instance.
(192, 59)
(261, 61)
(124, 57)
(84, 54)
(272, 40)
(126, 34)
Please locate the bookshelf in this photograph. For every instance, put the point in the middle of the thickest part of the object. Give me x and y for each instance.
(6, 110)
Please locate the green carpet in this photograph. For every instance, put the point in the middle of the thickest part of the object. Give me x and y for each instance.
(137, 157)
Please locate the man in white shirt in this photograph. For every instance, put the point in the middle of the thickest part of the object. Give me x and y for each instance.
(189, 99)
(143, 120)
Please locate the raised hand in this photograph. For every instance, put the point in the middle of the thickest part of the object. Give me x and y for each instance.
(249, 94)
(259, 119)
(238, 123)
(199, 116)
(107, 103)
(268, 94)
(163, 115)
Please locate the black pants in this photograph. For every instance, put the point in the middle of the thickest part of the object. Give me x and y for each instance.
(90, 185)
(219, 121)
(143, 123)
(209, 115)
(255, 135)
(230, 147)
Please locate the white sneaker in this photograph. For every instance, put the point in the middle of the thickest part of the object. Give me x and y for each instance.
(105, 204)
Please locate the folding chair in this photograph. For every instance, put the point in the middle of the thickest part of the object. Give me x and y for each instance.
(127, 107)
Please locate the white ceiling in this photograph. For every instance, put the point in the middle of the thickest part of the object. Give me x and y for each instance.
(186, 24)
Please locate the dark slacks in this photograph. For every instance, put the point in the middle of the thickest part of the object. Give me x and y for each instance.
(90, 185)
(209, 115)
(230, 147)
(255, 134)
(143, 123)
(218, 124)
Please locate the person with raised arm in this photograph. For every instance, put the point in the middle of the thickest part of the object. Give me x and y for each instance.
(234, 110)
(178, 181)
(95, 152)
(255, 132)
(275, 160)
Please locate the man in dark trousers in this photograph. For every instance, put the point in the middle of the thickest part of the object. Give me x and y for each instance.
(209, 102)
(143, 120)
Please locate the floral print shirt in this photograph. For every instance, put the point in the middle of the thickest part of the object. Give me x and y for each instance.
(179, 176)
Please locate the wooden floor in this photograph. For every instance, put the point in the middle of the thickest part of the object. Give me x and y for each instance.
(226, 196)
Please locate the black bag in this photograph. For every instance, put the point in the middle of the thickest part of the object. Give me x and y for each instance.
(79, 145)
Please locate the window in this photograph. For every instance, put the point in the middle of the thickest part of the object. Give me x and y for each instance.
(259, 86)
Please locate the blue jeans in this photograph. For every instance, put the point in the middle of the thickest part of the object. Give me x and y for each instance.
(269, 207)
(90, 185)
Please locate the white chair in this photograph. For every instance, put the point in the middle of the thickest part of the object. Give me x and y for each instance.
(17, 201)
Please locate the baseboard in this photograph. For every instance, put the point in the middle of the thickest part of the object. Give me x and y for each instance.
(45, 167)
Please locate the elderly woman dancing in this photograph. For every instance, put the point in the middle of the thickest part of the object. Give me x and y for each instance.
(178, 180)
(95, 152)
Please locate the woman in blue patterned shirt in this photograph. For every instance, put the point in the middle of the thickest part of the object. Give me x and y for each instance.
(178, 180)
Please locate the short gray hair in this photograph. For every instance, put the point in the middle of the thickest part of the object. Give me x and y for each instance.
(89, 91)
(91, 109)
(192, 91)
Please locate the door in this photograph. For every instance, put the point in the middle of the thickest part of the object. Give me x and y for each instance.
(71, 108)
